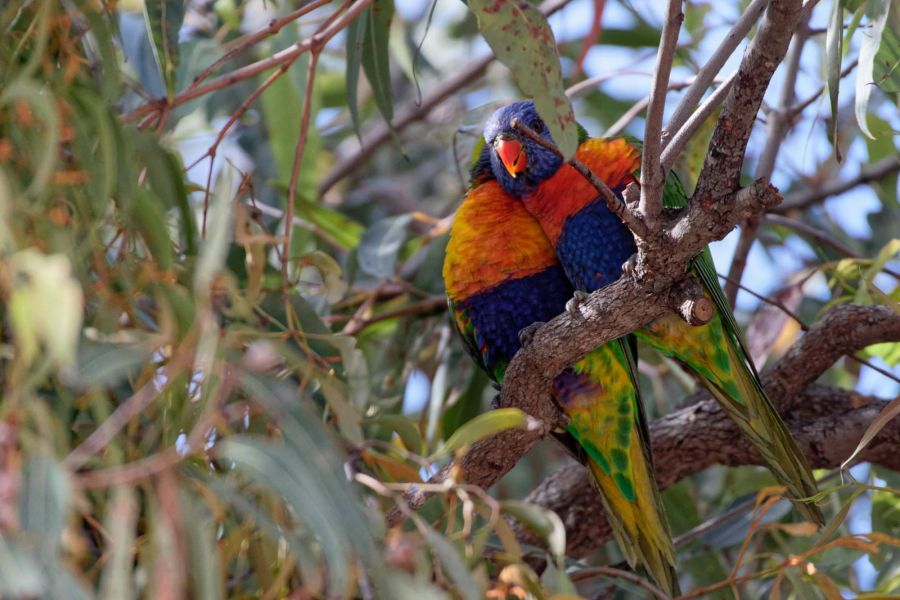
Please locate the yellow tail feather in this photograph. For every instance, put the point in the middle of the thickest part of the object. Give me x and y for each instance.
(639, 526)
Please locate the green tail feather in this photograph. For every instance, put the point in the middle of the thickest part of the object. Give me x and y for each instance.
(717, 356)
(720, 357)
(607, 421)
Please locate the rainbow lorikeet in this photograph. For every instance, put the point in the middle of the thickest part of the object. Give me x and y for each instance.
(592, 244)
(502, 276)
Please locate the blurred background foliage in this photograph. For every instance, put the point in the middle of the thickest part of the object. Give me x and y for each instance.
(201, 402)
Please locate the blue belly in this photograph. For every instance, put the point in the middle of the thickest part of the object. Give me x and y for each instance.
(593, 245)
(501, 312)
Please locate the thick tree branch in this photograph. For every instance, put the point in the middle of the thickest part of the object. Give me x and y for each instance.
(827, 433)
(722, 169)
(826, 422)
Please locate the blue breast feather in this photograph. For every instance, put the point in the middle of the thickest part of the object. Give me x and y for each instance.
(500, 313)
(593, 245)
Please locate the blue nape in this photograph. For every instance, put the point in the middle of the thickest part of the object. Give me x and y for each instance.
(500, 313)
(593, 245)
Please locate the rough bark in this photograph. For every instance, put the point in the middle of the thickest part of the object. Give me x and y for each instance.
(826, 422)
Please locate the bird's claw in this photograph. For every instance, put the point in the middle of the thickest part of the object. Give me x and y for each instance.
(629, 265)
(526, 334)
(573, 306)
(495, 401)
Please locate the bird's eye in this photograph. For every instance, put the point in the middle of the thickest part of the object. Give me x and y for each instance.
(537, 125)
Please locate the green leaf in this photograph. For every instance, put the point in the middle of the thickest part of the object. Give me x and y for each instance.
(378, 249)
(544, 523)
(107, 364)
(521, 39)
(164, 18)
(375, 56)
(403, 427)
(886, 71)
(834, 39)
(356, 35)
(44, 501)
(282, 104)
(889, 352)
(877, 11)
(484, 426)
(149, 218)
(891, 410)
(206, 571)
(454, 566)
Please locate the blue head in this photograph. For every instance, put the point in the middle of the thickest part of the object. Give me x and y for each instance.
(518, 163)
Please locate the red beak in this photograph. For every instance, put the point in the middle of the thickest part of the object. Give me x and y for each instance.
(512, 154)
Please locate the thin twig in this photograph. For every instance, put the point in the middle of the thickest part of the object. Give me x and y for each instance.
(295, 171)
(652, 176)
(615, 204)
(712, 67)
(834, 187)
(245, 41)
(592, 572)
(316, 42)
(676, 144)
(821, 236)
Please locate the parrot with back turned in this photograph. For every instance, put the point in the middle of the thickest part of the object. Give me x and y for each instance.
(502, 276)
(592, 244)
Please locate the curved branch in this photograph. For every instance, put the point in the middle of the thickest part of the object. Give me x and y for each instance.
(826, 422)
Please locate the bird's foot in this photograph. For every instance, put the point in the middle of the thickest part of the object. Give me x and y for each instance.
(495, 401)
(573, 306)
(629, 265)
(526, 334)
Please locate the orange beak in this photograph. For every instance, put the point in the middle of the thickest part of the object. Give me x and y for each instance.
(512, 154)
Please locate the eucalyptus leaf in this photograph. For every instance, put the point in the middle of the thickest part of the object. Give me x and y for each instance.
(521, 39)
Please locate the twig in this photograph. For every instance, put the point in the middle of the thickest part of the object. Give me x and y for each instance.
(712, 67)
(295, 171)
(821, 236)
(652, 176)
(635, 223)
(592, 572)
(800, 200)
(722, 167)
(674, 146)
(316, 42)
(245, 41)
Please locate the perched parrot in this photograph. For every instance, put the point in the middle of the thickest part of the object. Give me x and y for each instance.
(502, 276)
(592, 244)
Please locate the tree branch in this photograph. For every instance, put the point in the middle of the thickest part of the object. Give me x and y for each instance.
(826, 422)
(801, 200)
(722, 168)
(652, 175)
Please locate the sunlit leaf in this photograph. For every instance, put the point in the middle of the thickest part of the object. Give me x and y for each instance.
(544, 523)
(484, 426)
(876, 11)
